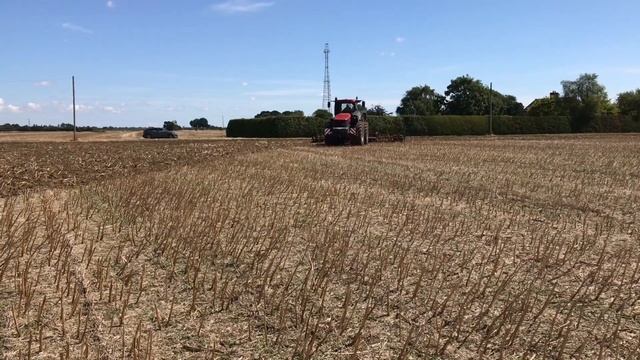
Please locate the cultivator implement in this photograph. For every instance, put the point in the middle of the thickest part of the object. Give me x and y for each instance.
(378, 138)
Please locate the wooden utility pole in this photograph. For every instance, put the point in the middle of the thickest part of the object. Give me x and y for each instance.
(490, 108)
(73, 89)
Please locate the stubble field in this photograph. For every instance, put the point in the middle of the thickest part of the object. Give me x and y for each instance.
(458, 248)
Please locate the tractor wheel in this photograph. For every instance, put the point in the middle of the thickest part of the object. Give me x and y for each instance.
(366, 134)
(359, 139)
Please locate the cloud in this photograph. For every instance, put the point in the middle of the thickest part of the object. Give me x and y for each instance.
(244, 83)
(80, 108)
(111, 4)
(76, 28)
(112, 110)
(241, 6)
(400, 39)
(34, 106)
(9, 107)
(283, 92)
(44, 83)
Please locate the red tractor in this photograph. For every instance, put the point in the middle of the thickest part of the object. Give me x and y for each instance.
(349, 125)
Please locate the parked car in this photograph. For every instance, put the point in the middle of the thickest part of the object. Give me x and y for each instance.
(159, 133)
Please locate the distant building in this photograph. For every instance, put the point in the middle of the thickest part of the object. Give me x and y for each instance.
(554, 95)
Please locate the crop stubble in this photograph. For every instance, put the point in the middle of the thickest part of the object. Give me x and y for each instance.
(33, 165)
(452, 248)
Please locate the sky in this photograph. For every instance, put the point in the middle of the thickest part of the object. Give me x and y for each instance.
(142, 62)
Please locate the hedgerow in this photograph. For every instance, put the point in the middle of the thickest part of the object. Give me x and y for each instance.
(437, 125)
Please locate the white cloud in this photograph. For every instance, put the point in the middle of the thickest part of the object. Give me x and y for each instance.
(111, 4)
(76, 28)
(244, 83)
(241, 6)
(9, 107)
(34, 106)
(112, 110)
(44, 83)
(400, 39)
(283, 92)
(80, 108)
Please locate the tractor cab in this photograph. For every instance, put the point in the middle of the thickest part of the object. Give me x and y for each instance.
(348, 106)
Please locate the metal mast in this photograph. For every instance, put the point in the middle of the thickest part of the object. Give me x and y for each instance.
(326, 94)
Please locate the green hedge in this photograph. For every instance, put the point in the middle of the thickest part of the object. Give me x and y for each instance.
(613, 124)
(504, 125)
(385, 125)
(283, 127)
(445, 125)
(479, 125)
(275, 127)
(291, 127)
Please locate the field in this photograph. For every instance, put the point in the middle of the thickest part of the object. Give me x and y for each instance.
(38, 164)
(94, 136)
(451, 248)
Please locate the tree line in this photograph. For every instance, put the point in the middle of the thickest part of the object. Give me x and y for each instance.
(60, 127)
(583, 100)
(197, 124)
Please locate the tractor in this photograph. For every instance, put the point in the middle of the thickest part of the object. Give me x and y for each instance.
(349, 124)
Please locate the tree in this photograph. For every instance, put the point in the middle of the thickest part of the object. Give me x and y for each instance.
(629, 103)
(265, 114)
(585, 88)
(171, 125)
(201, 123)
(468, 96)
(421, 100)
(323, 114)
(298, 113)
(585, 98)
(511, 106)
(378, 110)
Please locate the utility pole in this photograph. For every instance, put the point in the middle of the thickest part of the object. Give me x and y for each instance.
(490, 108)
(73, 89)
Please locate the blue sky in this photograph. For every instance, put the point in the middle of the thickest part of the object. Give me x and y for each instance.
(141, 62)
